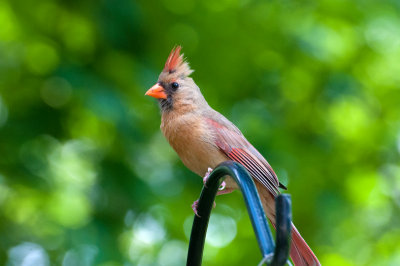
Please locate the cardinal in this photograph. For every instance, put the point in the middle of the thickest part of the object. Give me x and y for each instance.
(203, 138)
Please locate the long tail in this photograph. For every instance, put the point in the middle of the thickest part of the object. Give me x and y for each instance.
(300, 253)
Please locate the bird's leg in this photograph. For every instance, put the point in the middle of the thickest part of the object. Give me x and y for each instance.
(196, 202)
(225, 191)
(194, 207)
(221, 187)
(205, 178)
(221, 190)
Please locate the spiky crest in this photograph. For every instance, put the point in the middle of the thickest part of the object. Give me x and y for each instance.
(176, 63)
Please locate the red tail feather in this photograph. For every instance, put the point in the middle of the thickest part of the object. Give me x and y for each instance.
(300, 252)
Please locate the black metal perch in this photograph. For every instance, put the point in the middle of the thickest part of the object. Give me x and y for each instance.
(271, 255)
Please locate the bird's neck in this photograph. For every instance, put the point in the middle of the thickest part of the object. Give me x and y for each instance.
(180, 112)
(176, 112)
(182, 105)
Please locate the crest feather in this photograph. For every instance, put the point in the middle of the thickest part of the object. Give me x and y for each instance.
(176, 63)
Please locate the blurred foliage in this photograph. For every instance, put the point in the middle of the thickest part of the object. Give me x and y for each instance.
(86, 178)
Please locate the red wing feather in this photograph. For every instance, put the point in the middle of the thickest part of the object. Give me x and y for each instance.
(255, 169)
(232, 142)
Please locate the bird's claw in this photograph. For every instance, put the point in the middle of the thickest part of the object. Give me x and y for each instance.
(207, 175)
(205, 178)
(222, 186)
(194, 207)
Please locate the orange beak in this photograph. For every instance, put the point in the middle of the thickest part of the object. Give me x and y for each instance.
(157, 91)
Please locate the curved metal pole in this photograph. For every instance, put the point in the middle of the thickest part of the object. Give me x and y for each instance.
(283, 229)
(255, 210)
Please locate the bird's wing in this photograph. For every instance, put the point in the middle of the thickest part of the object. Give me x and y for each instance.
(231, 141)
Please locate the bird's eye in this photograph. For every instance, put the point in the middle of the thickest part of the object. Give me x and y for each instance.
(175, 85)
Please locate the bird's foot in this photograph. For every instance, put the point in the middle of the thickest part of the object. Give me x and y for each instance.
(205, 178)
(221, 187)
(225, 191)
(207, 175)
(194, 207)
(221, 190)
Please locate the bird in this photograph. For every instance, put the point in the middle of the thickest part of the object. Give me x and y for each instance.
(203, 138)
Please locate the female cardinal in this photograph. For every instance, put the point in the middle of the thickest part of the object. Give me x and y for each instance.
(204, 138)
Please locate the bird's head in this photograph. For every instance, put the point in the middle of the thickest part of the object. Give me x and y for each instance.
(174, 88)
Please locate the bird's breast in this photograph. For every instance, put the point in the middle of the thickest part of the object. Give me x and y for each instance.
(193, 141)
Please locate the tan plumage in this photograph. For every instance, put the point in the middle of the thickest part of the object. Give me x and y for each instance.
(204, 138)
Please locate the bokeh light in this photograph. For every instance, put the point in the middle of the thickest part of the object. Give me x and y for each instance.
(86, 177)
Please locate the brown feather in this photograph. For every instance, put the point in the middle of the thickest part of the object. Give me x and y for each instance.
(187, 136)
(232, 142)
(204, 138)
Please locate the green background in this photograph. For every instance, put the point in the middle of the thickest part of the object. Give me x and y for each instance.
(86, 178)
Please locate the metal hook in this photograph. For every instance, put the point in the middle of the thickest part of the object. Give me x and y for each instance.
(271, 255)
